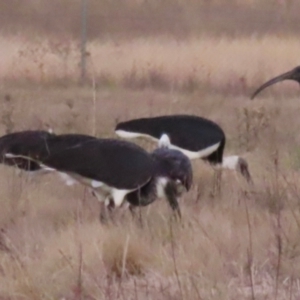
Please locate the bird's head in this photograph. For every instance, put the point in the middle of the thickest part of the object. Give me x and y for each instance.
(291, 75)
(174, 174)
(175, 166)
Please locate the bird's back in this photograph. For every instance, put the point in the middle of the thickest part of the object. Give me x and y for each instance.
(188, 132)
(117, 163)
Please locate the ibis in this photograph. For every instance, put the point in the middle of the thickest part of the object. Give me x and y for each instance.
(194, 136)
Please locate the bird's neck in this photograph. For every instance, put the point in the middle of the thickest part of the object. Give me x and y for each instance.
(155, 188)
(230, 162)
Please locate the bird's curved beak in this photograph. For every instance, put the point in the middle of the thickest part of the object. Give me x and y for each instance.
(285, 76)
(171, 191)
(188, 181)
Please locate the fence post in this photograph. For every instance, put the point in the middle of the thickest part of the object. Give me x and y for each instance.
(83, 40)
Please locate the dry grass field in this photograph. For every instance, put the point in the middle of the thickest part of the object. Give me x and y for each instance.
(241, 244)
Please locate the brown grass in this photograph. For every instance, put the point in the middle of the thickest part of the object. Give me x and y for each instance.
(151, 58)
(53, 247)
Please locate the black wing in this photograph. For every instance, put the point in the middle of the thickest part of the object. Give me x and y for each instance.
(53, 145)
(187, 132)
(116, 163)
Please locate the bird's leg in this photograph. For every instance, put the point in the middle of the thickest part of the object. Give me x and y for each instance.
(132, 211)
(103, 213)
(125, 206)
(107, 210)
(139, 208)
(110, 204)
(103, 210)
(136, 215)
(106, 205)
(217, 183)
(85, 191)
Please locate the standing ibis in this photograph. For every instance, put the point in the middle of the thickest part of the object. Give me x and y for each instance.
(294, 74)
(194, 136)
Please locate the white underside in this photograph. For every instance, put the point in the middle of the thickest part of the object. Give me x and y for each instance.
(68, 180)
(106, 192)
(190, 154)
(9, 155)
(46, 168)
(131, 135)
(102, 190)
(37, 172)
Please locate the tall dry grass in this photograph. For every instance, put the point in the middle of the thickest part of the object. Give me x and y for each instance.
(241, 243)
(150, 58)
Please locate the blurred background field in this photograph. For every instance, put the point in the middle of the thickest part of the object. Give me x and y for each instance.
(147, 58)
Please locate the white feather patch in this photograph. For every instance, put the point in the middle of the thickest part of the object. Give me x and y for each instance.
(68, 180)
(9, 155)
(164, 141)
(190, 154)
(44, 167)
(96, 184)
(129, 135)
(119, 195)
